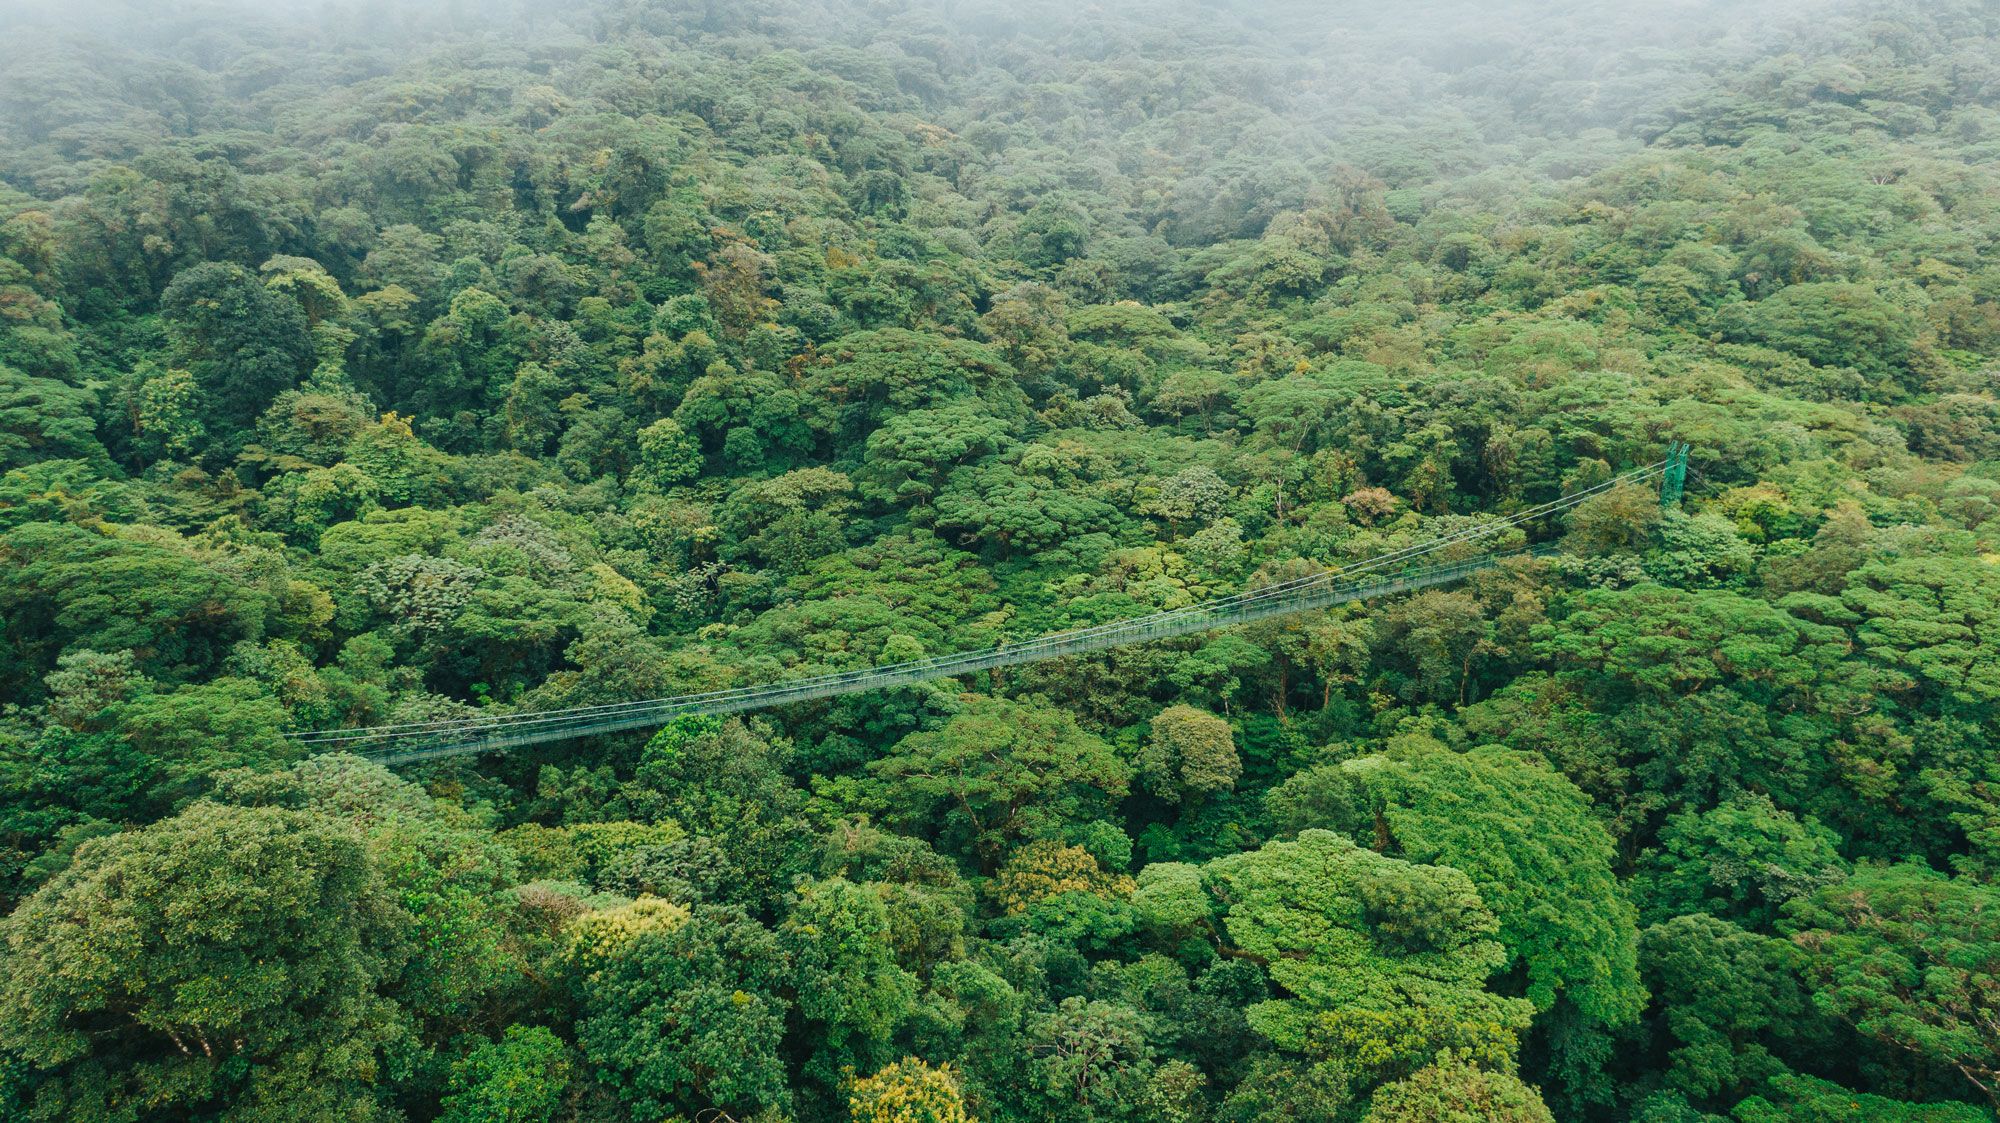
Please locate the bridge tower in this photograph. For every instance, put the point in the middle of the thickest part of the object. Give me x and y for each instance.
(1674, 479)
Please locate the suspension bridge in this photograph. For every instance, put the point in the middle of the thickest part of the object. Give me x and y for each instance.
(1399, 571)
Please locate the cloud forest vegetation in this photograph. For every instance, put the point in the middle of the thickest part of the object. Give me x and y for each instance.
(368, 362)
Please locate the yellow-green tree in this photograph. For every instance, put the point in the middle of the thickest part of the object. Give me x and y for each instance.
(1342, 928)
(226, 957)
(1046, 868)
(1190, 753)
(1455, 1090)
(908, 1091)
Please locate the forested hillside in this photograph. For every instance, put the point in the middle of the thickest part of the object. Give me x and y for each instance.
(371, 363)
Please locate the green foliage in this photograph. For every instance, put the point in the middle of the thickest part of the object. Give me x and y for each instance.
(667, 452)
(1908, 957)
(1670, 641)
(434, 363)
(1091, 1058)
(1740, 861)
(1804, 1099)
(999, 770)
(1189, 754)
(839, 939)
(1525, 837)
(1345, 929)
(688, 1013)
(225, 955)
(723, 781)
(518, 1079)
(69, 588)
(1453, 1091)
(243, 343)
(1930, 618)
(1836, 325)
(43, 419)
(1726, 1001)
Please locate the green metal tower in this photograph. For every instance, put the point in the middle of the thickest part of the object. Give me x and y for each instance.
(1674, 480)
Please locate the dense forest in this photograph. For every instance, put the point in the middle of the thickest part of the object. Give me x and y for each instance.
(367, 363)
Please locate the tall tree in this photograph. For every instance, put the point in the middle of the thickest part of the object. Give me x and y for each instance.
(244, 343)
(1356, 938)
(222, 961)
(1910, 958)
(1000, 770)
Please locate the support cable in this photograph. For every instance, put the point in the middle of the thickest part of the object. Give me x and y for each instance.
(486, 733)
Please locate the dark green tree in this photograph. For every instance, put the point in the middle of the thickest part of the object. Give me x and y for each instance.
(244, 343)
(1000, 770)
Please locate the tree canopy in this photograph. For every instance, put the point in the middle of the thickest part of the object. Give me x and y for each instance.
(428, 364)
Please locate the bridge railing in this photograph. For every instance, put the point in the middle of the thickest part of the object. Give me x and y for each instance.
(1378, 576)
(1284, 600)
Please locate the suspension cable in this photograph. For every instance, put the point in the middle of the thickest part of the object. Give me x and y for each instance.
(942, 666)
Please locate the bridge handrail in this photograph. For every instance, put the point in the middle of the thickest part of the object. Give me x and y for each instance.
(800, 690)
(413, 741)
(1113, 633)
